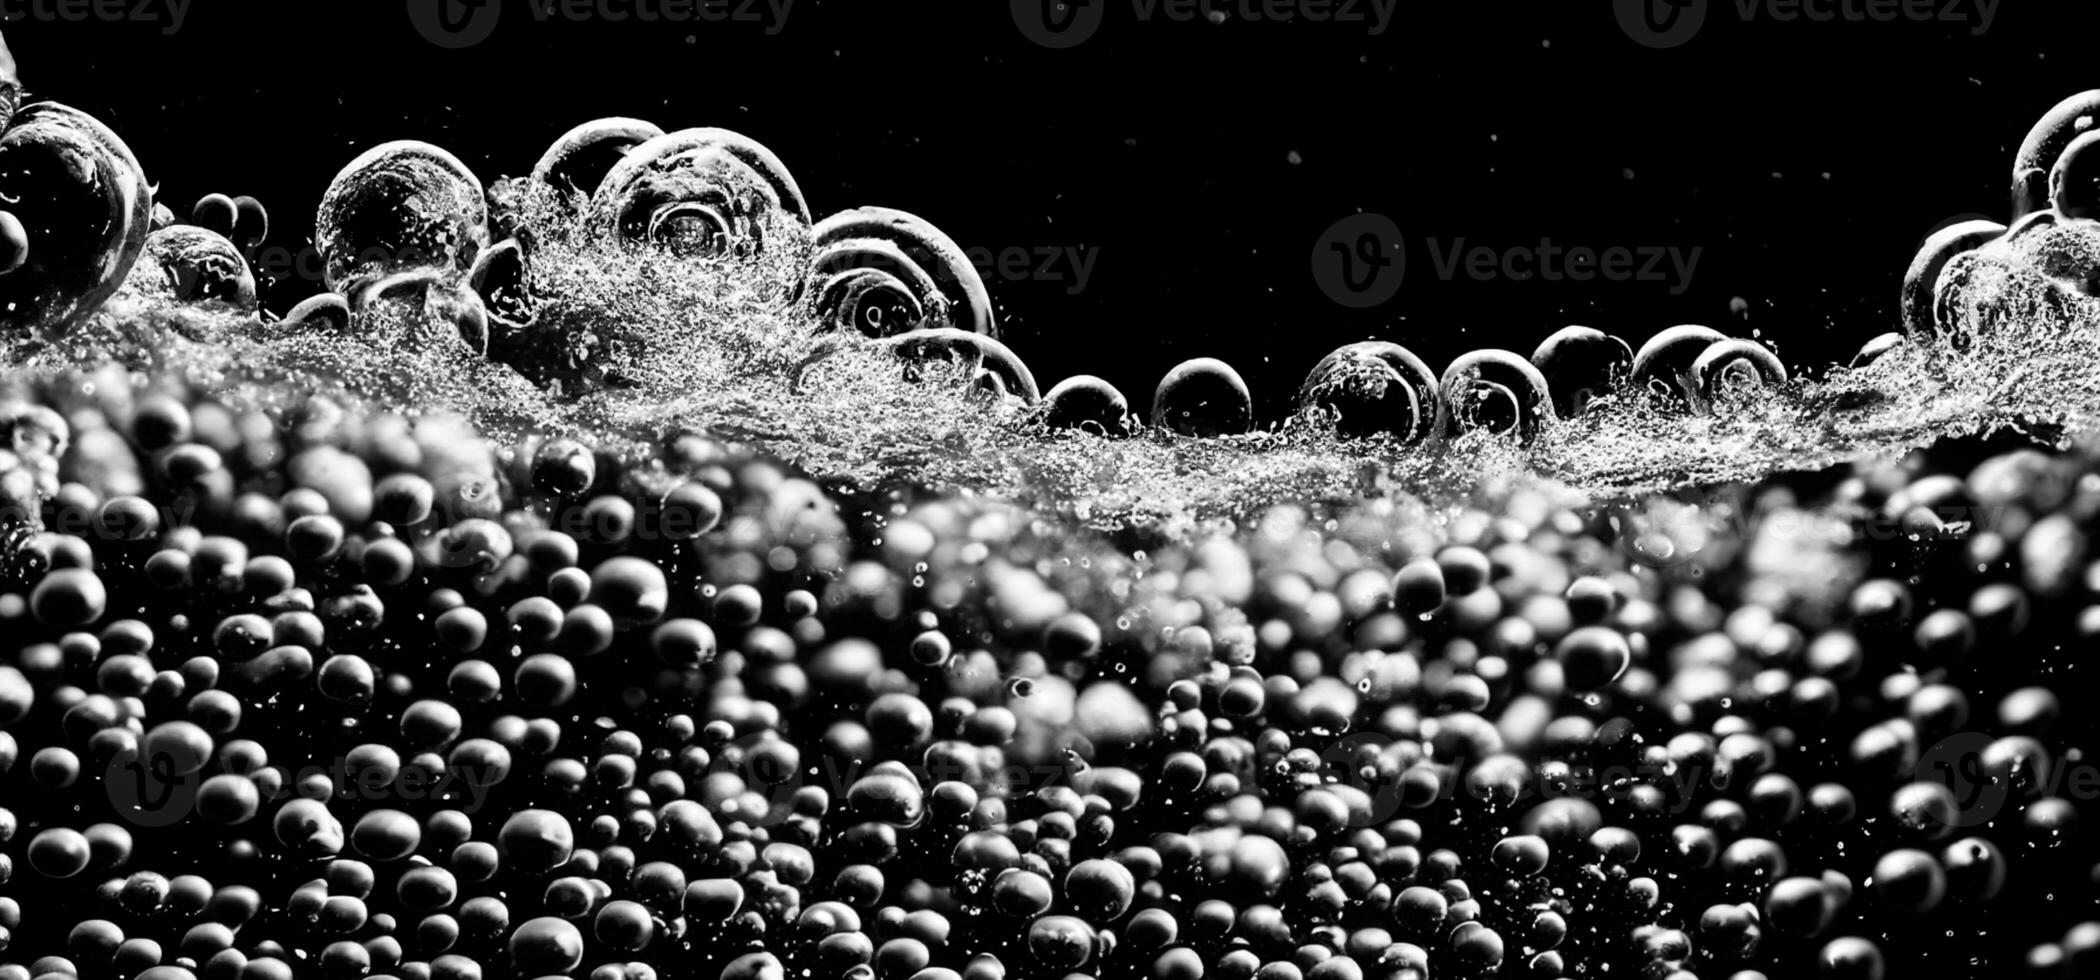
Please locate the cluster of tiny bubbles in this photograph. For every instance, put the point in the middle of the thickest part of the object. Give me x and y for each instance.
(646, 342)
(742, 369)
(735, 653)
(636, 340)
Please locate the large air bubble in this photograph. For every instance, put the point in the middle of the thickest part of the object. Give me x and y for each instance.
(397, 207)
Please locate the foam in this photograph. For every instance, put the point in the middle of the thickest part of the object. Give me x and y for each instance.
(657, 346)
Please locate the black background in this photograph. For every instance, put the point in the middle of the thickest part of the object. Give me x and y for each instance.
(1805, 159)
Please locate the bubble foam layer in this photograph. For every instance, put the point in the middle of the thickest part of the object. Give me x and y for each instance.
(630, 347)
